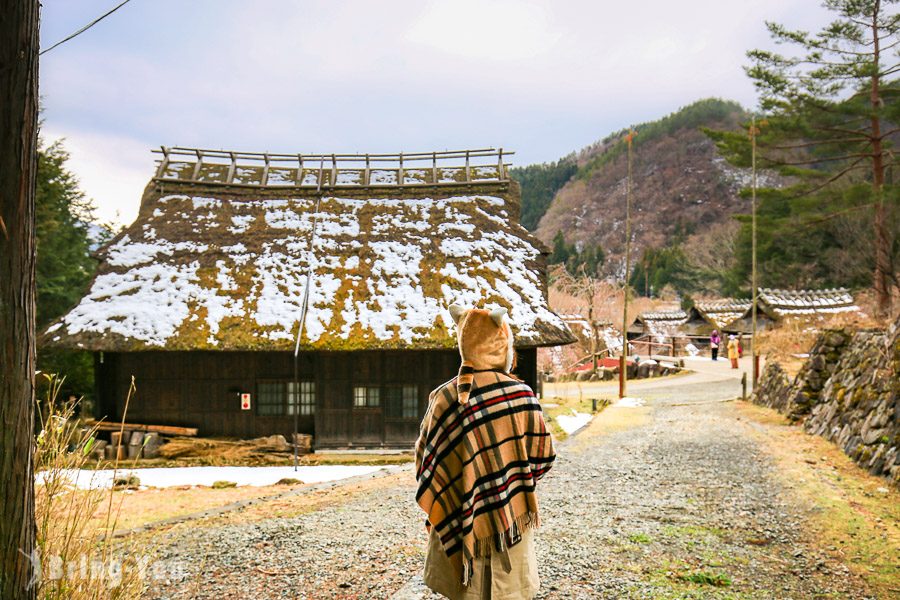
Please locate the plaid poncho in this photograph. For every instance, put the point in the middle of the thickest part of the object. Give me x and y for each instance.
(477, 464)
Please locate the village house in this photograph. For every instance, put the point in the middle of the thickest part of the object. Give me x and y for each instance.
(778, 306)
(201, 297)
(706, 316)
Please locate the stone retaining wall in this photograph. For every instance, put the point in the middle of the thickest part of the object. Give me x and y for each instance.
(847, 392)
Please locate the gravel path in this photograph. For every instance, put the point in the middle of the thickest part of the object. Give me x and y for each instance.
(658, 501)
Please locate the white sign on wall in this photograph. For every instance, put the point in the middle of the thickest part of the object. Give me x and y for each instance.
(245, 401)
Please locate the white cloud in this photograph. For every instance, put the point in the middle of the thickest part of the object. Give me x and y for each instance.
(112, 170)
(490, 31)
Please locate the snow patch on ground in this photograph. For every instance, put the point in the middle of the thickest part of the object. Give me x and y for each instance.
(574, 422)
(162, 477)
(629, 402)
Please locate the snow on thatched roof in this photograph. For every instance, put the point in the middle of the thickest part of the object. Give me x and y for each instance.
(224, 268)
(720, 313)
(789, 303)
(660, 324)
(662, 315)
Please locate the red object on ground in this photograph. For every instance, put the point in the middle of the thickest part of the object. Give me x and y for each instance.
(609, 363)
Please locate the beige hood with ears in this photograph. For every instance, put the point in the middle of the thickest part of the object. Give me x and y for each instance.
(485, 342)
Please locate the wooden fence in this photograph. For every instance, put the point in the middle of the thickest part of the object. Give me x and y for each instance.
(221, 167)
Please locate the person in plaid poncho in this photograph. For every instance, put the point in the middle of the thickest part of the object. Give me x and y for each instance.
(482, 448)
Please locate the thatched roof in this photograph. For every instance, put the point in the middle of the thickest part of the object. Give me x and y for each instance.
(217, 267)
(790, 303)
(660, 324)
(719, 313)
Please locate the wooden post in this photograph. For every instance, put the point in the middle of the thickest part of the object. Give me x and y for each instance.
(400, 171)
(231, 168)
(300, 170)
(434, 174)
(19, 48)
(265, 175)
(367, 174)
(333, 181)
(196, 172)
(468, 177)
(500, 165)
(321, 173)
(164, 163)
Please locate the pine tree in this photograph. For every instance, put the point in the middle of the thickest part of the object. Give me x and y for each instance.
(832, 107)
(64, 264)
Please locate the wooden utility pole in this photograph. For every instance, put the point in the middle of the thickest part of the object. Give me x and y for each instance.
(623, 365)
(882, 276)
(19, 48)
(753, 356)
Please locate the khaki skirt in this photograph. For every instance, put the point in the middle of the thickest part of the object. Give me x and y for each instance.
(493, 577)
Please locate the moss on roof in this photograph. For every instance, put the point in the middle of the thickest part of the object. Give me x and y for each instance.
(225, 268)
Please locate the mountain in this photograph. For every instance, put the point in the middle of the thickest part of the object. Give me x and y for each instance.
(683, 190)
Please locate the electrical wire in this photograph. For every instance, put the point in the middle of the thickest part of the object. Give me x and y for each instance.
(85, 28)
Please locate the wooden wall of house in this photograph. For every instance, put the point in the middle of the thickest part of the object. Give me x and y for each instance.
(202, 389)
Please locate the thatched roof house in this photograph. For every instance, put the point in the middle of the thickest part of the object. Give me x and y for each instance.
(706, 316)
(660, 324)
(216, 265)
(777, 305)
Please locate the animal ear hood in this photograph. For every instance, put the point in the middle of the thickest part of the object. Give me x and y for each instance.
(485, 342)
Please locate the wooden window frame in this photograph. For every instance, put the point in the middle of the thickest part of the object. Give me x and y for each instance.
(307, 397)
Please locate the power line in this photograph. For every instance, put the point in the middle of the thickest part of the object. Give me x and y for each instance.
(85, 28)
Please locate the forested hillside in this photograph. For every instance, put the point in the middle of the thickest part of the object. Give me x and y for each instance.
(685, 198)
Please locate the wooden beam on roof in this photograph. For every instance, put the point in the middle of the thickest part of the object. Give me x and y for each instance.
(265, 173)
(197, 166)
(231, 169)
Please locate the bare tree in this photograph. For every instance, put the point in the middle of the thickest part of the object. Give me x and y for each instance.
(18, 163)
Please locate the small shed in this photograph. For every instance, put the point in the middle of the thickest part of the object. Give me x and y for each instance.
(660, 325)
(706, 316)
(200, 298)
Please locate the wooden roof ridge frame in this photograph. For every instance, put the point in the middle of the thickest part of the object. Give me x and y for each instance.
(400, 162)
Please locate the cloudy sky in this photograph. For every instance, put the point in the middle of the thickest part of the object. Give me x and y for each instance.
(541, 77)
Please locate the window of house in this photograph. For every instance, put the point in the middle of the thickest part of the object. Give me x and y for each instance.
(307, 399)
(270, 398)
(279, 398)
(366, 396)
(402, 401)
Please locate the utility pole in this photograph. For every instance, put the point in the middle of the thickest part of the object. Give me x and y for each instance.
(623, 365)
(19, 48)
(753, 354)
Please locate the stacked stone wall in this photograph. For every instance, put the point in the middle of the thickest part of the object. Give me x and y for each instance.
(847, 392)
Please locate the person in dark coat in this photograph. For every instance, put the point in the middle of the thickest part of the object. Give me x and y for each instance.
(714, 341)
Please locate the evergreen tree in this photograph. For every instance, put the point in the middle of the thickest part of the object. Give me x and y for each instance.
(64, 265)
(831, 110)
(539, 186)
(561, 250)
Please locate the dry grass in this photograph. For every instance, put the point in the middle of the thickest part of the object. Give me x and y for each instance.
(853, 515)
(78, 560)
(796, 336)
